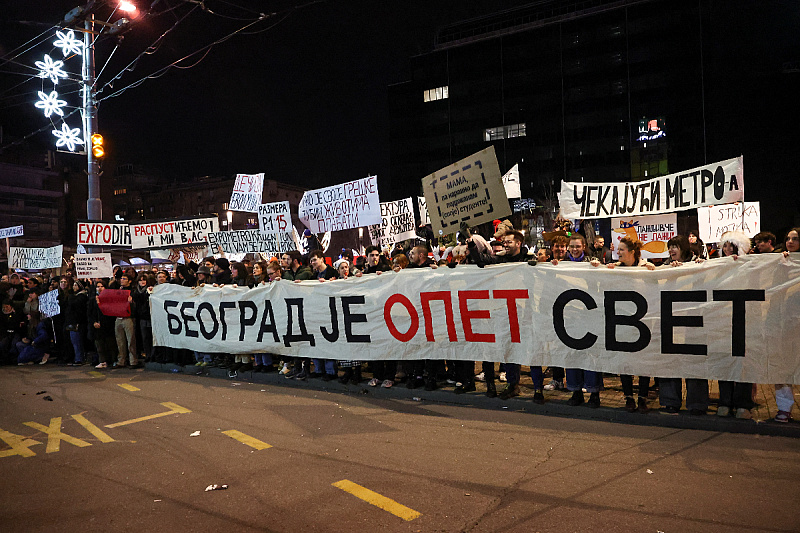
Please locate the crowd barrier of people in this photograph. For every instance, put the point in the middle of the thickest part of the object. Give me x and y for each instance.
(83, 334)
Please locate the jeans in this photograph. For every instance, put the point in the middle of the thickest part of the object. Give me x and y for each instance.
(126, 340)
(76, 337)
(326, 366)
(578, 379)
(263, 359)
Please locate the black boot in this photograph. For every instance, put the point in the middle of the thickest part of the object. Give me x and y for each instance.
(576, 399)
(491, 390)
(348, 373)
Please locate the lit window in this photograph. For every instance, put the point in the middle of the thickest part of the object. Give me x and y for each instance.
(439, 93)
(504, 132)
(117, 192)
(225, 206)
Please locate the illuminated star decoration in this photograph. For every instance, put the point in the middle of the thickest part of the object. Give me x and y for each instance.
(68, 137)
(49, 103)
(51, 69)
(68, 43)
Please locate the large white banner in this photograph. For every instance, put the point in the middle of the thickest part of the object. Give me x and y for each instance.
(341, 207)
(718, 183)
(247, 192)
(470, 190)
(48, 304)
(250, 241)
(721, 319)
(93, 266)
(511, 182)
(654, 232)
(93, 233)
(13, 231)
(397, 223)
(172, 233)
(715, 220)
(35, 258)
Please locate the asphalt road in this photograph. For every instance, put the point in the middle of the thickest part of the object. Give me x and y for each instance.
(296, 460)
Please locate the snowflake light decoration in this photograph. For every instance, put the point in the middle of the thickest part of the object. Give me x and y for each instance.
(49, 103)
(68, 137)
(68, 43)
(51, 69)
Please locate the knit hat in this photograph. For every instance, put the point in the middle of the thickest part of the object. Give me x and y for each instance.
(80, 285)
(307, 233)
(223, 263)
(204, 270)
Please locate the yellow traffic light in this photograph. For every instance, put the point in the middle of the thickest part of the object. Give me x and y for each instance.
(97, 146)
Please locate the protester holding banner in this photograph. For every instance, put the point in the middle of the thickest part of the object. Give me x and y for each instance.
(352, 367)
(765, 242)
(141, 299)
(699, 248)
(125, 327)
(376, 262)
(784, 394)
(293, 268)
(101, 327)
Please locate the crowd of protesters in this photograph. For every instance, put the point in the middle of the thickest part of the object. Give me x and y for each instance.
(86, 333)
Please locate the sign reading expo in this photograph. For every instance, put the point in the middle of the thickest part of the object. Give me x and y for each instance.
(93, 233)
(341, 207)
(709, 320)
(172, 233)
(718, 183)
(247, 192)
(468, 191)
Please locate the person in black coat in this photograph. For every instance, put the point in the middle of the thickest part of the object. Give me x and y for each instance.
(101, 328)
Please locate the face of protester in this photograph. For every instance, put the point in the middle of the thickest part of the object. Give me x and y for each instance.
(143, 282)
(63, 284)
(256, 270)
(792, 242)
(317, 263)
(626, 256)
(375, 256)
(764, 247)
(161, 277)
(211, 265)
(511, 245)
(7, 309)
(729, 249)
(76, 287)
(576, 248)
(496, 248)
(344, 270)
(286, 261)
(100, 288)
(599, 242)
(273, 274)
(541, 255)
(559, 251)
(692, 238)
(125, 281)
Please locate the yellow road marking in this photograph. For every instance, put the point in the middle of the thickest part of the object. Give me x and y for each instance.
(19, 444)
(101, 435)
(55, 436)
(128, 387)
(377, 500)
(247, 439)
(173, 409)
(96, 374)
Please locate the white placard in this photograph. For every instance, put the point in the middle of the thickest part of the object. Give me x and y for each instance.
(35, 258)
(274, 218)
(422, 205)
(93, 233)
(190, 231)
(717, 183)
(247, 192)
(249, 241)
(715, 220)
(341, 207)
(397, 223)
(511, 182)
(93, 266)
(654, 231)
(48, 304)
(181, 255)
(13, 231)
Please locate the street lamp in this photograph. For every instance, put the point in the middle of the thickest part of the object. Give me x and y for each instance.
(230, 219)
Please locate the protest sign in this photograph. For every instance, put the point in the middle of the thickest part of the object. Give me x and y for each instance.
(35, 258)
(341, 207)
(397, 223)
(172, 233)
(654, 232)
(48, 304)
(13, 231)
(468, 191)
(511, 183)
(174, 255)
(93, 266)
(707, 320)
(715, 220)
(718, 183)
(274, 218)
(92, 233)
(114, 302)
(247, 191)
(250, 241)
(422, 205)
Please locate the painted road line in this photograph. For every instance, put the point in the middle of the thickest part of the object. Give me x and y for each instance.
(55, 436)
(101, 435)
(247, 439)
(96, 374)
(377, 500)
(128, 387)
(173, 409)
(20, 445)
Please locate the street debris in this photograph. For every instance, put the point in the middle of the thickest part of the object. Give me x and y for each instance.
(649, 471)
(195, 434)
(48, 398)
(216, 487)
(41, 392)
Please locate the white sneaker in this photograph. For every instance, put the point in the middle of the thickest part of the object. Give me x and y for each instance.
(481, 377)
(502, 377)
(285, 369)
(744, 414)
(554, 385)
(102, 365)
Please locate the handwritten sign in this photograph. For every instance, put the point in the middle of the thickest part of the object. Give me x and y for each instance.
(341, 207)
(397, 223)
(654, 231)
(247, 191)
(250, 241)
(48, 304)
(13, 231)
(422, 205)
(274, 218)
(715, 220)
(35, 258)
(93, 266)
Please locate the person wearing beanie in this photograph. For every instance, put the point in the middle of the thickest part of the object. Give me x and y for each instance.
(222, 274)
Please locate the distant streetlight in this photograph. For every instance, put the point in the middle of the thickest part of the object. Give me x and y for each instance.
(126, 7)
(230, 219)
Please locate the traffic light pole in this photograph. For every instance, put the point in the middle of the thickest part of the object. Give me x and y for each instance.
(94, 206)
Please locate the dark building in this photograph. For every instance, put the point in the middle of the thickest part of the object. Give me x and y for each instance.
(606, 91)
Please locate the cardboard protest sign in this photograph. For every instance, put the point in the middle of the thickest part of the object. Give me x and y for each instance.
(35, 258)
(717, 183)
(468, 191)
(654, 232)
(274, 218)
(715, 220)
(250, 241)
(247, 192)
(172, 233)
(114, 302)
(93, 266)
(341, 207)
(48, 304)
(13, 231)
(397, 223)
(93, 233)
(511, 183)
(422, 205)
(174, 255)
